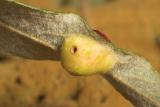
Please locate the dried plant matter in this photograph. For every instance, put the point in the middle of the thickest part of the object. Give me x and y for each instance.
(38, 34)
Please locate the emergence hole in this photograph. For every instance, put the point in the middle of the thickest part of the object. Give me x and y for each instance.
(74, 49)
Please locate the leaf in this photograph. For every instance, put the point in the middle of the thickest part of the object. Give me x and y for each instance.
(35, 33)
(136, 79)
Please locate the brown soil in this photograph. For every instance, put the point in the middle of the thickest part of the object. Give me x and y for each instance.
(131, 24)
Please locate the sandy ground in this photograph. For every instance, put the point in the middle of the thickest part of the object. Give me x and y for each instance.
(132, 25)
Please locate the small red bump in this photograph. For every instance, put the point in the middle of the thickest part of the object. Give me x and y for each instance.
(103, 35)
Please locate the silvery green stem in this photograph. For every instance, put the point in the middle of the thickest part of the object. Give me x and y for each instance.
(34, 33)
(136, 80)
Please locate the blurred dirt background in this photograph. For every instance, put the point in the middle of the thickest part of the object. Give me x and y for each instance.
(131, 24)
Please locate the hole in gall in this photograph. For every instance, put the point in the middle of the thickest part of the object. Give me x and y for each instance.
(74, 49)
